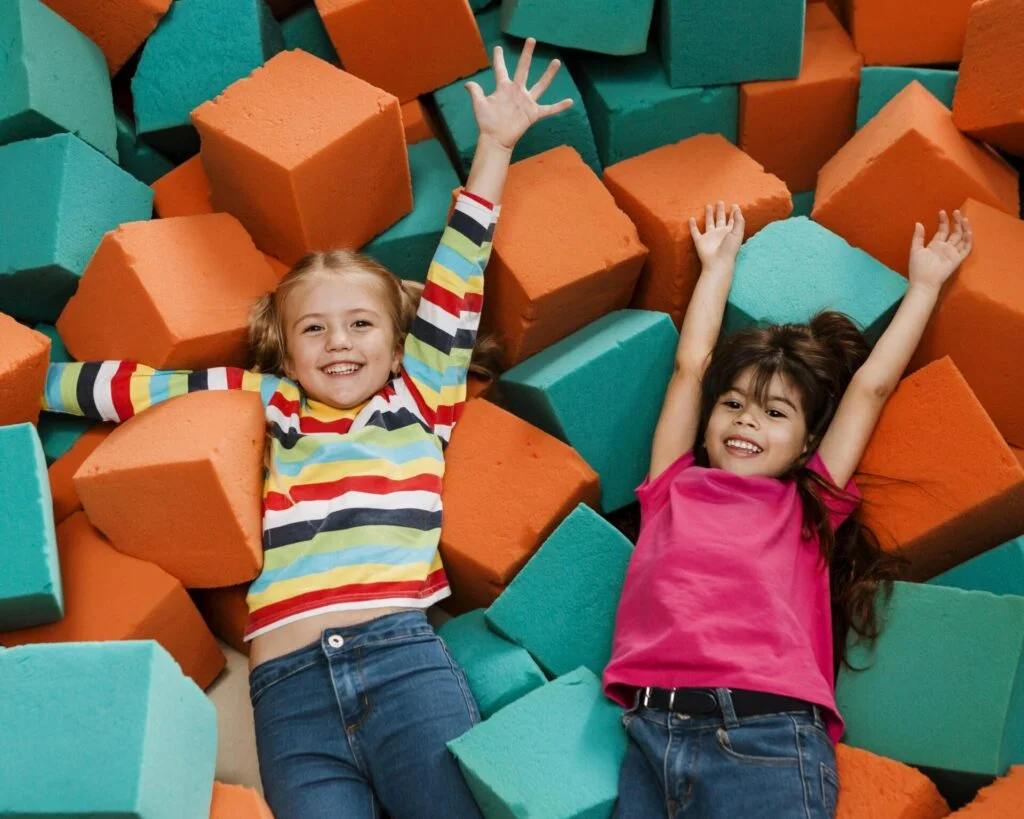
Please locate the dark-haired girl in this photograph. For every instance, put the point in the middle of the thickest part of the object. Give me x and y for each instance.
(751, 566)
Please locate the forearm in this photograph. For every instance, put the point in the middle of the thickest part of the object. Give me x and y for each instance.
(889, 358)
(489, 170)
(703, 320)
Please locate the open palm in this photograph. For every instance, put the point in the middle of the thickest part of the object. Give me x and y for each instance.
(936, 262)
(722, 236)
(505, 115)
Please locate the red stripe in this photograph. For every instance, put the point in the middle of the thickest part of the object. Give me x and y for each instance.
(370, 484)
(473, 303)
(479, 199)
(234, 377)
(308, 423)
(442, 297)
(120, 390)
(286, 406)
(426, 412)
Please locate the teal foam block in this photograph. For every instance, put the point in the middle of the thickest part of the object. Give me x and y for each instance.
(499, 672)
(706, 42)
(571, 127)
(57, 431)
(135, 156)
(633, 109)
(30, 589)
(104, 730)
(803, 204)
(600, 390)
(602, 26)
(305, 29)
(478, 5)
(945, 687)
(878, 85)
(53, 77)
(198, 49)
(794, 268)
(554, 753)
(407, 247)
(575, 577)
(58, 196)
(999, 570)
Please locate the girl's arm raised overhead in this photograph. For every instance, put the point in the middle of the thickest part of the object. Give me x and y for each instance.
(847, 436)
(717, 248)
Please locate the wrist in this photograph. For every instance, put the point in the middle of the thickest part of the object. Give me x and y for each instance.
(926, 289)
(490, 144)
(719, 267)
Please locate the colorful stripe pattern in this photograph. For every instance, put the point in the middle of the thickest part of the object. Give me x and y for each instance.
(352, 498)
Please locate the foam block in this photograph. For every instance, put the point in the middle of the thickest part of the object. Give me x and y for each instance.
(304, 29)
(111, 596)
(1004, 797)
(912, 138)
(794, 268)
(24, 357)
(405, 47)
(226, 613)
(617, 27)
(633, 109)
(781, 123)
(180, 485)
(54, 79)
(30, 587)
(237, 802)
(880, 84)
(499, 672)
(943, 688)
(151, 734)
(803, 203)
(888, 33)
(600, 390)
(571, 127)
(282, 8)
(57, 198)
(172, 293)
(407, 247)
(62, 470)
(986, 292)
(661, 189)
(418, 125)
(699, 40)
(57, 431)
(940, 505)
(550, 275)
(555, 752)
(999, 570)
(881, 788)
(135, 156)
(199, 49)
(118, 27)
(577, 575)
(297, 181)
(507, 486)
(989, 102)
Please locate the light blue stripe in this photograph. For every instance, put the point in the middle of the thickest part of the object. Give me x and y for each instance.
(337, 451)
(268, 386)
(457, 263)
(160, 386)
(52, 389)
(453, 375)
(354, 556)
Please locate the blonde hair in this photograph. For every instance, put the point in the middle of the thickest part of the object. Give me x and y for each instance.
(267, 348)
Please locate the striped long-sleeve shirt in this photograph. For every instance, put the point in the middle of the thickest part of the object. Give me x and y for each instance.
(352, 497)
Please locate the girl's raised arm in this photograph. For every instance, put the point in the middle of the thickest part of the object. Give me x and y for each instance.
(847, 436)
(680, 413)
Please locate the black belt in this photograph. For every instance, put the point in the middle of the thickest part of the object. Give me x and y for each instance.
(702, 702)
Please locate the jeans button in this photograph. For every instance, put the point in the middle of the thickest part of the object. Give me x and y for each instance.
(335, 641)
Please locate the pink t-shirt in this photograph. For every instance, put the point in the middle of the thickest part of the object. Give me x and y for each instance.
(723, 592)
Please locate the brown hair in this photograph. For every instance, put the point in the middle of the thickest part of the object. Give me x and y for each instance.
(266, 331)
(818, 359)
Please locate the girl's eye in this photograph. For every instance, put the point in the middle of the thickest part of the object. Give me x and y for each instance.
(312, 327)
(731, 404)
(362, 323)
(774, 413)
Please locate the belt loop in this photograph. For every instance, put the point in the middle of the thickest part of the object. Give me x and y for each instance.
(725, 704)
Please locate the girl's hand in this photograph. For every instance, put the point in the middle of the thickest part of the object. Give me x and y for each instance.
(504, 116)
(933, 264)
(721, 239)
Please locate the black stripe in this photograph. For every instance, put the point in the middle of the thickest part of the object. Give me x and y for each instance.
(489, 235)
(349, 519)
(468, 227)
(400, 419)
(84, 388)
(198, 380)
(432, 335)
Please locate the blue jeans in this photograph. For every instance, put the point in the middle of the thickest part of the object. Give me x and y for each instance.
(359, 720)
(775, 765)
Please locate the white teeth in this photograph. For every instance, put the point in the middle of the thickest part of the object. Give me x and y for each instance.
(341, 369)
(744, 445)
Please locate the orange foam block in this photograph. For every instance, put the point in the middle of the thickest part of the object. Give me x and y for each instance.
(939, 482)
(118, 27)
(979, 320)
(507, 485)
(872, 785)
(24, 357)
(306, 156)
(661, 189)
(793, 127)
(1000, 800)
(111, 596)
(406, 47)
(417, 123)
(552, 273)
(989, 99)
(61, 471)
(171, 293)
(180, 485)
(907, 163)
(237, 802)
(226, 613)
(908, 32)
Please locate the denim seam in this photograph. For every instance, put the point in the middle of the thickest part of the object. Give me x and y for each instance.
(344, 728)
(664, 771)
(804, 784)
(367, 702)
(460, 676)
(255, 695)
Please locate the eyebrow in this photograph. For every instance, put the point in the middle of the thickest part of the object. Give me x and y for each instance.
(780, 398)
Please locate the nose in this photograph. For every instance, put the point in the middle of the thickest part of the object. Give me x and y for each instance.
(746, 418)
(337, 339)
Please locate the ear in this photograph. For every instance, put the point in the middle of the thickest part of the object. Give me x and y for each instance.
(288, 369)
(396, 358)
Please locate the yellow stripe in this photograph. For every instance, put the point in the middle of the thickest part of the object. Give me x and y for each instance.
(341, 576)
(377, 467)
(251, 382)
(138, 388)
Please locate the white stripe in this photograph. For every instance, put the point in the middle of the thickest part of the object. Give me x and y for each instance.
(217, 378)
(474, 210)
(439, 317)
(316, 510)
(101, 394)
(287, 423)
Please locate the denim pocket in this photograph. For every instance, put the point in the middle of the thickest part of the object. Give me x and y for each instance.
(765, 740)
(268, 674)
